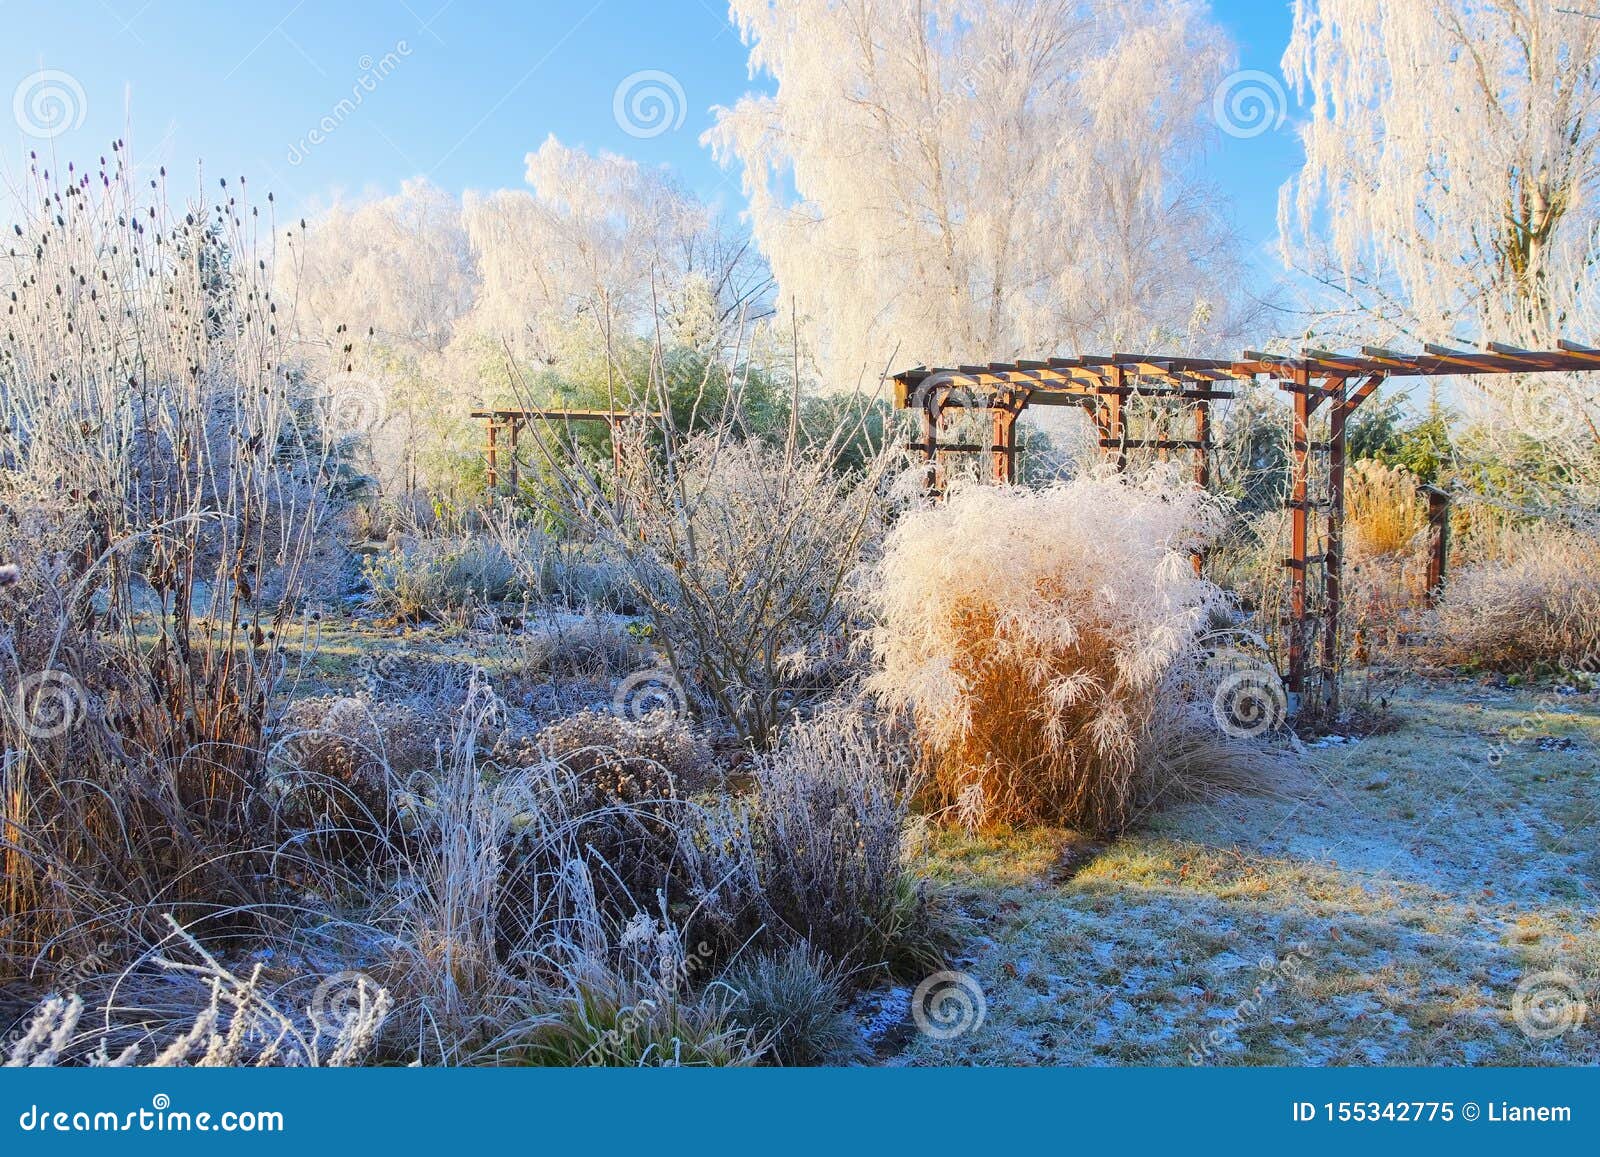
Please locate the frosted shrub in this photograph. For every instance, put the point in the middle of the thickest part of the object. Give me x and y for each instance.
(439, 578)
(817, 854)
(1537, 604)
(1032, 633)
(740, 553)
(627, 759)
(341, 762)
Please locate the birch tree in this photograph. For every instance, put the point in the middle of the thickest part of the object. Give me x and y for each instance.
(1451, 165)
(605, 240)
(979, 180)
(379, 288)
(399, 266)
(1449, 189)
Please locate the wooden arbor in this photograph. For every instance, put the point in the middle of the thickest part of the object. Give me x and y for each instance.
(513, 421)
(1325, 389)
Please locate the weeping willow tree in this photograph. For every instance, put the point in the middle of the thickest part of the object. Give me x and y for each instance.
(1452, 161)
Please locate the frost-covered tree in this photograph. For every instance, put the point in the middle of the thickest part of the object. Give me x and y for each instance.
(1449, 192)
(380, 287)
(965, 179)
(400, 266)
(604, 239)
(1451, 164)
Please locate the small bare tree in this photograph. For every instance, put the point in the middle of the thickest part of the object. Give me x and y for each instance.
(741, 549)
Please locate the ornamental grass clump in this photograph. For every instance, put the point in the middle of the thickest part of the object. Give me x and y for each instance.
(1032, 634)
(1537, 604)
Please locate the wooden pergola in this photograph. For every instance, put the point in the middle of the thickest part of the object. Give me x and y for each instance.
(513, 421)
(1325, 390)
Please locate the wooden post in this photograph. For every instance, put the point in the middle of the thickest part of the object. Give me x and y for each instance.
(930, 442)
(514, 427)
(494, 473)
(1299, 554)
(1202, 467)
(1333, 556)
(1004, 464)
(1114, 421)
(1438, 538)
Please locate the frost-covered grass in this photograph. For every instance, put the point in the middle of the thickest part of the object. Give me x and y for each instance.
(1398, 898)
(1387, 916)
(1046, 643)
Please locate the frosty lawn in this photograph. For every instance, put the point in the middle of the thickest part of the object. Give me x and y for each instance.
(1385, 917)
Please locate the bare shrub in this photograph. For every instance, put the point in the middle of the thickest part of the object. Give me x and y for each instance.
(740, 552)
(1033, 635)
(1538, 604)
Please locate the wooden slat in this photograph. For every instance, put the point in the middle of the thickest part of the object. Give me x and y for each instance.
(563, 415)
(1155, 444)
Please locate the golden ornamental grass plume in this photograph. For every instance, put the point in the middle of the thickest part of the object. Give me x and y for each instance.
(1031, 634)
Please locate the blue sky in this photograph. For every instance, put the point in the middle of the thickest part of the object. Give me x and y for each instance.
(470, 87)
